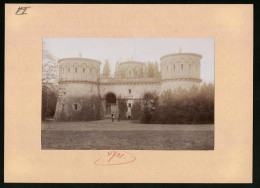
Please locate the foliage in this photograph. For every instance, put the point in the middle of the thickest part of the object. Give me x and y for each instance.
(50, 78)
(122, 107)
(152, 70)
(150, 103)
(106, 69)
(194, 106)
(136, 110)
(49, 101)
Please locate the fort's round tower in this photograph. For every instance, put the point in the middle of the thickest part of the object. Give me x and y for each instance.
(79, 92)
(180, 70)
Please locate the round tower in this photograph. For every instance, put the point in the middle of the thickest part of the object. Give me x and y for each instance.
(180, 70)
(78, 89)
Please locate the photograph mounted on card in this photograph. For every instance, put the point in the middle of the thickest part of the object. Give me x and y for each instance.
(92, 91)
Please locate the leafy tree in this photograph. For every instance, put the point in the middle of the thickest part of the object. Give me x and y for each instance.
(136, 110)
(50, 78)
(156, 69)
(122, 107)
(181, 106)
(106, 69)
(150, 103)
(150, 70)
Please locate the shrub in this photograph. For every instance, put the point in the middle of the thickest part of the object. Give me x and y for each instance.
(194, 106)
(136, 110)
(122, 107)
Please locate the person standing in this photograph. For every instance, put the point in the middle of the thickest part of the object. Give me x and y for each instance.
(112, 116)
(118, 117)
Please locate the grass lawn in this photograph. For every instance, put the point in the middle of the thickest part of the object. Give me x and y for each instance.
(127, 139)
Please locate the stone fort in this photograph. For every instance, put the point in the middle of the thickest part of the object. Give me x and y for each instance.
(81, 84)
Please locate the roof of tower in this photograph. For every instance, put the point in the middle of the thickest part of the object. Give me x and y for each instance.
(180, 54)
(79, 58)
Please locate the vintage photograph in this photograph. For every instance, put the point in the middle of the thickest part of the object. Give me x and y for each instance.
(127, 94)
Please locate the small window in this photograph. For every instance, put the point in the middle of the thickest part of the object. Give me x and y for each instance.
(196, 67)
(167, 68)
(68, 70)
(174, 67)
(63, 106)
(129, 73)
(129, 91)
(83, 70)
(189, 66)
(75, 107)
(76, 70)
(129, 105)
(181, 66)
(63, 70)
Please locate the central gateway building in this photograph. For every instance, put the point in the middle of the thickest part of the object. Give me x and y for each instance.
(86, 95)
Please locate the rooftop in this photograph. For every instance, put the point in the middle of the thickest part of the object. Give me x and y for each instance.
(79, 58)
(180, 54)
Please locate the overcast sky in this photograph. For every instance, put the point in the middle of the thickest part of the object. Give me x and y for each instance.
(139, 49)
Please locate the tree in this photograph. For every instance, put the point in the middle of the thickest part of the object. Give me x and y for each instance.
(150, 70)
(50, 78)
(156, 69)
(106, 69)
(136, 110)
(122, 107)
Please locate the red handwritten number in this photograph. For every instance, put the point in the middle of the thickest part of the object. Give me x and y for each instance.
(114, 154)
(119, 158)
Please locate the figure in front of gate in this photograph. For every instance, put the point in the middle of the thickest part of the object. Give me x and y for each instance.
(113, 116)
(118, 117)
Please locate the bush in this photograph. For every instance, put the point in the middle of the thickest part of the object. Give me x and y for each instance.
(122, 108)
(136, 110)
(194, 106)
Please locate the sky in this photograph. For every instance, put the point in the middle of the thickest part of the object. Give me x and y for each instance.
(138, 49)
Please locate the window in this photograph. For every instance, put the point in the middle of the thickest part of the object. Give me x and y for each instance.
(63, 70)
(76, 70)
(189, 66)
(181, 66)
(129, 91)
(129, 105)
(174, 67)
(83, 70)
(167, 68)
(75, 106)
(68, 70)
(196, 67)
(63, 105)
(129, 73)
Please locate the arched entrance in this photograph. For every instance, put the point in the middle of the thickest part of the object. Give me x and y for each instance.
(111, 104)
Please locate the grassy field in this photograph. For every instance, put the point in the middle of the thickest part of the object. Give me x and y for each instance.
(121, 137)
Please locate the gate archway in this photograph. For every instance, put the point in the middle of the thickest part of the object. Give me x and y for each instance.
(111, 104)
(110, 98)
